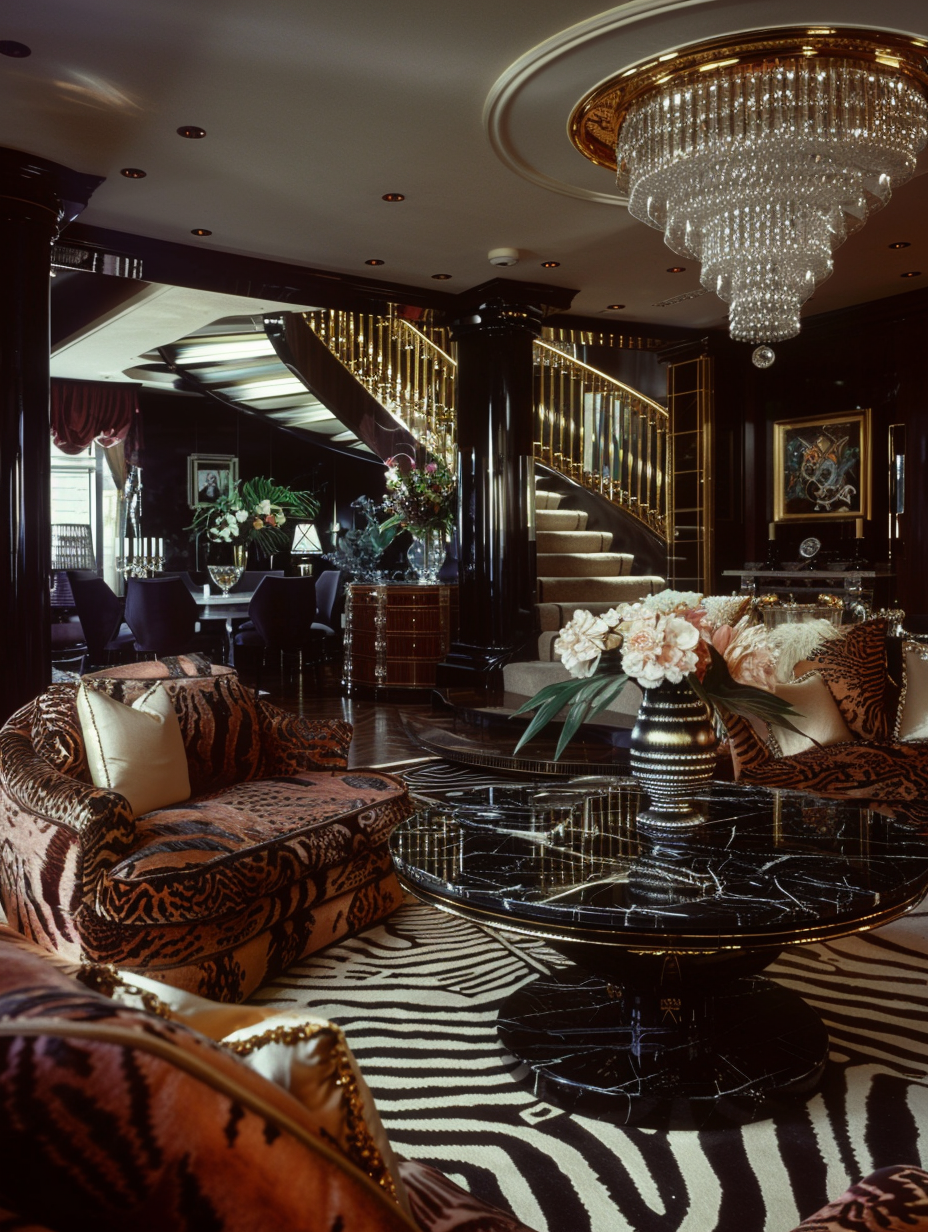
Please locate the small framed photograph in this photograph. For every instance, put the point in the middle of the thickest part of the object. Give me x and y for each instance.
(209, 477)
(821, 468)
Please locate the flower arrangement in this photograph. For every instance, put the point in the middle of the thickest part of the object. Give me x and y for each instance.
(360, 549)
(673, 636)
(255, 511)
(420, 498)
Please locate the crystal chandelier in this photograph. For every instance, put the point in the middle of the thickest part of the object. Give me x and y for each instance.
(758, 159)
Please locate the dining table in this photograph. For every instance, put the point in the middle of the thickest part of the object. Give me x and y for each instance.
(231, 609)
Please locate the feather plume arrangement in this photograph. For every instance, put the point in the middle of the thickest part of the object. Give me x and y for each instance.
(795, 641)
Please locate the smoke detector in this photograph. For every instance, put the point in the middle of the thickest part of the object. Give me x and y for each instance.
(504, 256)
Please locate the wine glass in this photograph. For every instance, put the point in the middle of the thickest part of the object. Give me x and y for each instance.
(225, 576)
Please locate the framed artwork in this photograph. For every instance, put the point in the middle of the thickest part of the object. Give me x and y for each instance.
(210, 476)
(821, 468)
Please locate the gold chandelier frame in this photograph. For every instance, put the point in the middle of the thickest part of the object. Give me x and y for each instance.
(597, 119)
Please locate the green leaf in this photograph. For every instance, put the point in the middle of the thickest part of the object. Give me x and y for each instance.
(586, 697)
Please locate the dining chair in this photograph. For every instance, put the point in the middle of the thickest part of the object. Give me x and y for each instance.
(281, 615)
(330, 595)
(100, 613)
(162, 614)
(252, 578)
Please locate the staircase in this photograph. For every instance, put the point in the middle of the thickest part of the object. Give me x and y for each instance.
(576, 570)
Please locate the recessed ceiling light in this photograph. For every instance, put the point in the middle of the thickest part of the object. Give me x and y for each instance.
(676, 269)
(18, 50)
(133, 173)
(393, 197)
(442, 277)
(200, 231)
(911, 274)
(901, 244)
(191, 130)
(614, 307)
(373, 261)
(550, 264)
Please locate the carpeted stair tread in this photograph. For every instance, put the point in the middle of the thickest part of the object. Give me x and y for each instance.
(547, 500)
(573, 540)
(584, 564)
(554, 616)
(583, 589)
(560, 519)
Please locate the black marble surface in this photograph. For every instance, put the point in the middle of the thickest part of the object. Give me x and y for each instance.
(665, 1059)
(664, 1022)
(766, 868)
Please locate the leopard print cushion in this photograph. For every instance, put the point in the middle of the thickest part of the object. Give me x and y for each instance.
(894, 1199)
(856, 669)
(218, 721)
(211, 857)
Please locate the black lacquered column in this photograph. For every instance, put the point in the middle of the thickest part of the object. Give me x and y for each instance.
(36, 198)
(496, 567)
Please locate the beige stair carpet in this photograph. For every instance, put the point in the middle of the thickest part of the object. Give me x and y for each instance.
(573, 540)
(560, 519)
(580, 589)
(584, 564)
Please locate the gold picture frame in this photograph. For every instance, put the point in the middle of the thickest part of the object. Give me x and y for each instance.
(821, 468)
(210, 476)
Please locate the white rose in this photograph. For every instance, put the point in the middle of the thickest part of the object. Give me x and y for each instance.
(241, 515)
(581, 642)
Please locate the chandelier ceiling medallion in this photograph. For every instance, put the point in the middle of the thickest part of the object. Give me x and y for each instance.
(759, 154)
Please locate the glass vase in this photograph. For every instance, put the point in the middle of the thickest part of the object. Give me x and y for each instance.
(426, 555)
(674, 747)
(226, 563)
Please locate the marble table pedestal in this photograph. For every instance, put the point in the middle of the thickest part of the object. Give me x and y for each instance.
(675, 1045)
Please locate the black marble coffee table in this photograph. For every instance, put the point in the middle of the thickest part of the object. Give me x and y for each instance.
(663, 1019)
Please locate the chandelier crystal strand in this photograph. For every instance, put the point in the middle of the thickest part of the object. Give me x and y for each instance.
(759, 171)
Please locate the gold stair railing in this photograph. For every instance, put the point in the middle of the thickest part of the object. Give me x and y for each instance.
(602, 434)
(406, 366)
(589, 426)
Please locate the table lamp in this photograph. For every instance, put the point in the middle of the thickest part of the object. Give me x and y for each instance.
(306, 544)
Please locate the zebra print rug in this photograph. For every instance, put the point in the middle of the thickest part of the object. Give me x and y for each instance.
(418, 997)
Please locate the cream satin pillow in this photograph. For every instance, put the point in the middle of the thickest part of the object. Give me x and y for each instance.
(820, 717)
(137, 750)
(913, 718)
(300, 1053)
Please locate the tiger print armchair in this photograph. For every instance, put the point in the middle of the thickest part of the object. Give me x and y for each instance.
(864, 698)
(132, 1106)
(280, 850)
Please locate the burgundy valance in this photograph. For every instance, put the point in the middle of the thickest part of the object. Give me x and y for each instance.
(101, 411)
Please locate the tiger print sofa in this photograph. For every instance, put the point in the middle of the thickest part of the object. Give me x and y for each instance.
(137, 1107)
(280, 850)
(866, 695)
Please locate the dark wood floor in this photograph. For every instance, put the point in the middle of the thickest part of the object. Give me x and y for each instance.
(379, 737)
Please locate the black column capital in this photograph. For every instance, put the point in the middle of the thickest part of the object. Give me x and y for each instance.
(38, 182)
(495, 316)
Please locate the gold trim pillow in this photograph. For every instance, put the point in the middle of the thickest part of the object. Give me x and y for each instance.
(912, 723)
(136, 750)
(820, 720)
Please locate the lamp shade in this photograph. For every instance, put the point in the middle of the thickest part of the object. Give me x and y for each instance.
(306, 540)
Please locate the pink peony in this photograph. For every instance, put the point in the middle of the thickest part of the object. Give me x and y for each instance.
(658, 648)
(748, 657)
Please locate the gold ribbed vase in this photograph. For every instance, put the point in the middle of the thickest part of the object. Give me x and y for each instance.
(673, 754)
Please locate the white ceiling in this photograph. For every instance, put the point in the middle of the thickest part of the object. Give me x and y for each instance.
(314, 110)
